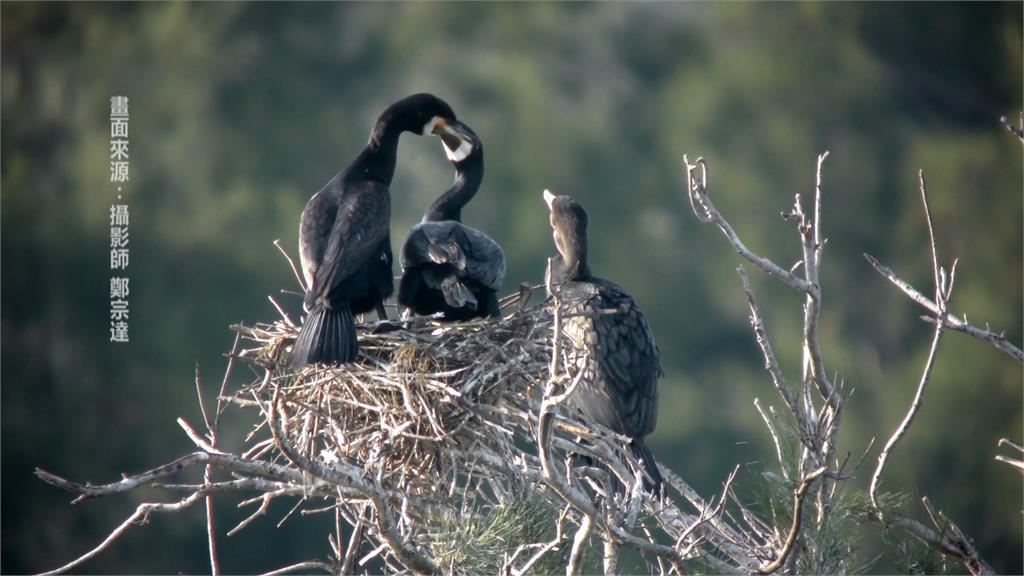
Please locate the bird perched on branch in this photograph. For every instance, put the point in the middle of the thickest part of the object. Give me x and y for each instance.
(449, 267)
(344, 237)
(609, 339)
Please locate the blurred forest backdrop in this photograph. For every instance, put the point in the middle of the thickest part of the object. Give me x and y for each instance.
(240, 112)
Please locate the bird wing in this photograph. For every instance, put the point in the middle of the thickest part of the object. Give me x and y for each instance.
(432, 243)
(360, 224)
(620, 355)
(473, 254)
(485, 260)
(314, 229)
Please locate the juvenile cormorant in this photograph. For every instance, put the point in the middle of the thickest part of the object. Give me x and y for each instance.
(344, 240)
(616, 351)
(449, 267)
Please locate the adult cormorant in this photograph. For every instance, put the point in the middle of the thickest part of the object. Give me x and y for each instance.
(608, 338)
(344, 240)
(449, 267)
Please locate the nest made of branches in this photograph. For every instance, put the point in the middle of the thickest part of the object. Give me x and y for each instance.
(418, 398)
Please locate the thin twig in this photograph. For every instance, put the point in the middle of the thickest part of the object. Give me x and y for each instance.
(915, 405)
(386, 525)
(1015, 462)
(942, 294)
(706, 212)
(997, 339)
(950, 540)
(770, 363)
(212, 428)
(291, 263)
(303, 567)
(353, 543)
(1015, 130)
(794, 530)
(140, 516)
(578, 546)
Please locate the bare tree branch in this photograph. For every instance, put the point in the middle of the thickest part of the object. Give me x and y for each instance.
(291, 264)
(1017, 131)
(407, 554)
(908, 419)
(770, 363)
(794, 530)
(1015, 462)
(819, 428)
(452, 422)
(706, 212)
(140, 516)
(303, 567)
(949, 540)
(997, 339)
(942, 295)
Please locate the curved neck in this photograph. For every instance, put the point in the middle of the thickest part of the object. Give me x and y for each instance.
(573, 268)
(377, 160)
(448, 206)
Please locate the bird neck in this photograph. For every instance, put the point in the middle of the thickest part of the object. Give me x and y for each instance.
(377, 160)
(566, 269)
(449, 205)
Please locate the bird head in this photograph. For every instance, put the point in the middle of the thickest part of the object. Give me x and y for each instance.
(569, 230)
(461, 144)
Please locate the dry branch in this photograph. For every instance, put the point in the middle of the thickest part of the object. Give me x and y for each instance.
(943, 292)
(436, 424)
(439, 428)
(1017, 131)
(997, 339)
(818, 419)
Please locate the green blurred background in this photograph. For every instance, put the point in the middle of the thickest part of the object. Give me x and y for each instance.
(240, 112)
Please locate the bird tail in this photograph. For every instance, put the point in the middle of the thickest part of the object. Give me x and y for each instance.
(328, 336)
(640, 451)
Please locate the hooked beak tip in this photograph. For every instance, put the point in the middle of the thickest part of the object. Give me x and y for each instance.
(548, 198)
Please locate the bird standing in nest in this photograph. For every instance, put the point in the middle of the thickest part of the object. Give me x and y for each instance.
(610, 339)
(449, 267)
(344, 235)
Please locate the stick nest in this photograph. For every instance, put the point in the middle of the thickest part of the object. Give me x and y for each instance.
(416, 400)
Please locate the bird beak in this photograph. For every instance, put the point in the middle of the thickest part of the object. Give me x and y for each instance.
(458, 141)
(549, 198)
(454, 128)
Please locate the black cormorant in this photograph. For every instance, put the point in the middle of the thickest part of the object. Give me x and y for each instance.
(344, 240)
(449, 267)
(608, 338)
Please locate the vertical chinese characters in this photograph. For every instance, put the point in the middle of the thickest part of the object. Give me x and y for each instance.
(119, 139)
(119, 220)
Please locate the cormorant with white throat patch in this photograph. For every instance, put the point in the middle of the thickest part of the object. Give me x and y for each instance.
(344, 236)
(607, 338)
(449, 267)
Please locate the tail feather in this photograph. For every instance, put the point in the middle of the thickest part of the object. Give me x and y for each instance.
(640, 451)
(327, 336)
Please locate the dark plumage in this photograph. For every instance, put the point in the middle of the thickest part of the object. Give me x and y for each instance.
(449, 267)
(344, 240)
(621, 364)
